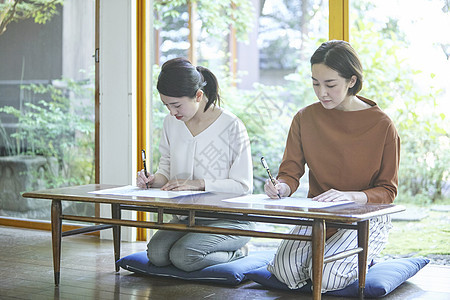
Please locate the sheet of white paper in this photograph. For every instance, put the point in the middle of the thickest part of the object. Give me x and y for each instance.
(287, 201)
(130, 190)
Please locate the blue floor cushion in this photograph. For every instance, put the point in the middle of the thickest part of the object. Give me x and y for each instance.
(231, 273)
(381, 279)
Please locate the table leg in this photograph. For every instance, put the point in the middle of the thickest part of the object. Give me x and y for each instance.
(363, 242)
(56, 238)
(116, 214)
(318, 245)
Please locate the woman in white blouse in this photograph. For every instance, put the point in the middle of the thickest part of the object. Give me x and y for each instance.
(203, 147)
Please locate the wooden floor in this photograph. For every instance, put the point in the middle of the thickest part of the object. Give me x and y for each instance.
(87, 272)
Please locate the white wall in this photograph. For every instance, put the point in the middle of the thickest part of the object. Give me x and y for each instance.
(116, 101)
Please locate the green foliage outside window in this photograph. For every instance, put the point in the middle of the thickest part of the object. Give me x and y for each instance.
(17, 10)
(53, 125)
(216, 16)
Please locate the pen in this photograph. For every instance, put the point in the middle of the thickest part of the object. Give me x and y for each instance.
(145, 166)
(264, 163)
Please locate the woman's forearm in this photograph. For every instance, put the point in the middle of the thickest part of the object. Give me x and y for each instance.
(159, 181)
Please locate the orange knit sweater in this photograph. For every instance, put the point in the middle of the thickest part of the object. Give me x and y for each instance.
(344, 150)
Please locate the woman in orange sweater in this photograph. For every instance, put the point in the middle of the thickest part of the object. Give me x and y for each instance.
(352, 150)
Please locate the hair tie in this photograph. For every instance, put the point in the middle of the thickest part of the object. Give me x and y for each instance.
(199, 70)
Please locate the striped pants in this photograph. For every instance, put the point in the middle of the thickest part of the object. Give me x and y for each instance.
(292, 263)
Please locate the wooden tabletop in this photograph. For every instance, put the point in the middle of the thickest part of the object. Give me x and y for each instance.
(212, 202)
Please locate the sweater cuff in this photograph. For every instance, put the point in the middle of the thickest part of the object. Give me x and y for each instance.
(292, 183)
(379, 195)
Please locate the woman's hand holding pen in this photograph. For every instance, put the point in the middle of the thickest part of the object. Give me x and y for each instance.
(280, 187)
(143, 181)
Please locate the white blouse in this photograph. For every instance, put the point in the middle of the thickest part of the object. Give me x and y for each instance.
(220, 155)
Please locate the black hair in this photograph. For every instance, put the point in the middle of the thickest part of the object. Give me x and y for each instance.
(341, 57)
(179, 78)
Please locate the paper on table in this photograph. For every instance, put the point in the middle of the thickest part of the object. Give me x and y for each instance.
(130, 190)
(286, 201)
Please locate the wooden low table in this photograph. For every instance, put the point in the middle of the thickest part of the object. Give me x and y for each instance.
(348, 216)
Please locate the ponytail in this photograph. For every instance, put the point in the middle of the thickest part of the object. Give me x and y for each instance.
(210, 86)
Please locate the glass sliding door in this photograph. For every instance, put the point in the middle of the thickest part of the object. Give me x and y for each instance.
(47, 114)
